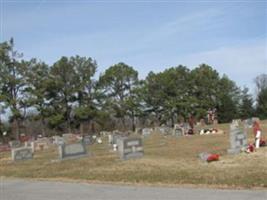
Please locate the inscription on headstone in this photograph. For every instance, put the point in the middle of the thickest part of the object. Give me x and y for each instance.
(130, 148)
(23, 153)
(74, 150)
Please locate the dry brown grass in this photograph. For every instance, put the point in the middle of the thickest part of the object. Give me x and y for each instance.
(167, 161)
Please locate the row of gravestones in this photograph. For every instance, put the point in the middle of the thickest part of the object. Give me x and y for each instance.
(178, 130)
(127, 148)
(237, 137)
(248, 123)
(20, 151)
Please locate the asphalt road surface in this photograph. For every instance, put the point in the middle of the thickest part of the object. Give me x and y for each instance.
(48, 190)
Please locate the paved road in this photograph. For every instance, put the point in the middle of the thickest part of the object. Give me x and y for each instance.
(46, 190)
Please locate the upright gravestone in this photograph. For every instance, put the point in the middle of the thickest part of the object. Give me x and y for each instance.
(41, 144)
(104, 133)
(15, 144)
(22, 153)
(112, 139)
(146, 132)
(88, 140)
(178, 130)
(164, 130)
(70, 138)
(248, 122)
(130, 148)
(74, 150)
(238, 138)
(57, 140)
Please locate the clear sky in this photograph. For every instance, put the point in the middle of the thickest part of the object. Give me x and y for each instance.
(231, 36)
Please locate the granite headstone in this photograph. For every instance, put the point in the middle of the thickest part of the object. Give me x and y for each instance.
(130, 148)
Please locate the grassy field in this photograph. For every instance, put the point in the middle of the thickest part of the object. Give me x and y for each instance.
(167, 161)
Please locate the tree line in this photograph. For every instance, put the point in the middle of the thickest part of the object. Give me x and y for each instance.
(66, 96)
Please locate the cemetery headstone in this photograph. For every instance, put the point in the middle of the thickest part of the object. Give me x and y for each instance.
(74, 150)
(254, 119)
(22, 153)
(238, 139)
(70, 138)
(15, 144)
(164, 130)
(104, 133)
(58, 140)
(178, 131)
(112, 139)
(130, 148)
(138, 131)
(87, 140)
(147, 131)
(41, 144)
(248, 122)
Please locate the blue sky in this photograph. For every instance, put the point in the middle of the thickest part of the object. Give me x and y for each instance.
(148, 35)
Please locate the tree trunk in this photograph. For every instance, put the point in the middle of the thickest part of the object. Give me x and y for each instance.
(172, 120)
(43, 127)
(15, 128)
(81, 128)
(133, 123)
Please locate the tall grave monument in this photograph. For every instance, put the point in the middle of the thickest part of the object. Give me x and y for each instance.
(238, 138)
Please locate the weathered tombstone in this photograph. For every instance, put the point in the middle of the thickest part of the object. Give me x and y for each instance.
(41, 144)
(202, 122)
(58, 140)
(130, 148)
(74, 150)
(164, 130)
(236, 121)
(238, 139)
(70, 138)
(178, 131)
(22, 153)
(138, 131)
(104, 133)
(146, 132)
(248, 122)
(112, 139)
(87, 140)
(15, 144)
(254, 119)
(31, 145)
